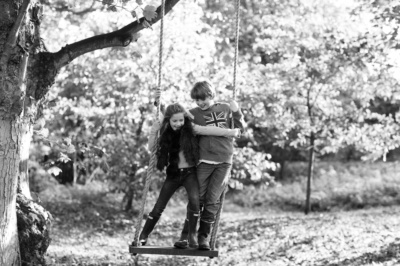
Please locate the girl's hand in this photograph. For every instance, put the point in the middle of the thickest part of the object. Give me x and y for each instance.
(156, 126)
(157, 95)
(234, 106)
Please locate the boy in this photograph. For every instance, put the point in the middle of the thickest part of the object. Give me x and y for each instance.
(213, 170)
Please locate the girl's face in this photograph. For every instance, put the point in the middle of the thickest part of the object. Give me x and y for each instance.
(176, 121)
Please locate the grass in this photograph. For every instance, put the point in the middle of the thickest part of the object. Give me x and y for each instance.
(335, 186)
(258, 227)
(247, 237)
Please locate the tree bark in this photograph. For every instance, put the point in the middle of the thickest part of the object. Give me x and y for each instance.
(34, 224)
(310, 173)
(12, 135)
(31, 236)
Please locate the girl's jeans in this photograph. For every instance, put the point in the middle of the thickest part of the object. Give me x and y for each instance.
(213, 179)
(185, 177)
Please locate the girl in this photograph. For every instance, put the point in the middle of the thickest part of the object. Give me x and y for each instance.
(178, 151)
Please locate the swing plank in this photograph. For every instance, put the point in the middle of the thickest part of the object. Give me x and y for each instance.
(160, 250)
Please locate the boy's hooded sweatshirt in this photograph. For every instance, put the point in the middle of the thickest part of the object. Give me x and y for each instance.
(213, 148)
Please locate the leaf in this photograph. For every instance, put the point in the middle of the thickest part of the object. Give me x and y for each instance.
(112, 8)
(42, 133)
(98, 151)
(63, 158)
(149, 12)
(137, 55)
(136, 36)
(52, 103)
(139, 2)
(146, 24)
(67, 141)
(71, 149)
(133, 13)
(54, 170)
(105, 166)
(83, 147)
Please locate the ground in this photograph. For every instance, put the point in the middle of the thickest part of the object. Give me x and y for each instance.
(92, 233)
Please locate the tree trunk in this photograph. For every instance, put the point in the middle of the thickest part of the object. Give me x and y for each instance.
(281, 173)
(26, 238)
(310, 174)
(128, 197)
(12, 134)
(33, 221)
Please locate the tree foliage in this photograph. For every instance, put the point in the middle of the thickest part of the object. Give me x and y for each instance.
(304, 68)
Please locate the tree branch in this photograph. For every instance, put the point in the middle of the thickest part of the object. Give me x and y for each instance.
(309, 105)
(62, 7)
(121, 37)
(12, 37)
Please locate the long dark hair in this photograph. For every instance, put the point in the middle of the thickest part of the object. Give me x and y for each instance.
(170, 141)
(171, 110)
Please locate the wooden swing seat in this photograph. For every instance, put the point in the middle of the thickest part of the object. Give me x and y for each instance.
(160, 250)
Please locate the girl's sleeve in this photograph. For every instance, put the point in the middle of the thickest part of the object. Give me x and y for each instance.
(215, 131)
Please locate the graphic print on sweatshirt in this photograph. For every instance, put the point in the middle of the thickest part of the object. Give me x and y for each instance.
(216, 119)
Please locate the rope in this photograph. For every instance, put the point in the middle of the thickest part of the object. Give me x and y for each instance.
(150, 170)
(235, 63)
(160, 56)
(217, 219)
(152, 163)
(222, 198)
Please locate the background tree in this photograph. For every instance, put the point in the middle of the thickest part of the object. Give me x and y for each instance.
(309, 73)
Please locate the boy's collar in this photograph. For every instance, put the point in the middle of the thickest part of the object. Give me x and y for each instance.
(211, 105)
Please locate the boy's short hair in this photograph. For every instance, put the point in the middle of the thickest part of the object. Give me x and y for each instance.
(201, 90)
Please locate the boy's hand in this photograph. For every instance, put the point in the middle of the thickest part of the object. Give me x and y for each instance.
(234, 106)
(157, 93)
(238, 133)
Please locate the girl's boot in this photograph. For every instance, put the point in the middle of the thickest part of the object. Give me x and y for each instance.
(147, 229)
(192, 236)
(183, 240)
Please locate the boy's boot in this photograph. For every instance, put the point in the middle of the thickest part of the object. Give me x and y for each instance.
(193, 218)
(203, 235)
(183, 240)
(147, 229)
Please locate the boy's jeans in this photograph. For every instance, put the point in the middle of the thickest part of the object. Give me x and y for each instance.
(213, 179)
(185, 177)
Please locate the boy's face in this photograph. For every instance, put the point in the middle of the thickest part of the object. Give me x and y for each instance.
(204, 104)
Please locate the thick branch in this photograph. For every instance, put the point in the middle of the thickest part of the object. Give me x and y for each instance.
(12, 37)
(121, 37)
